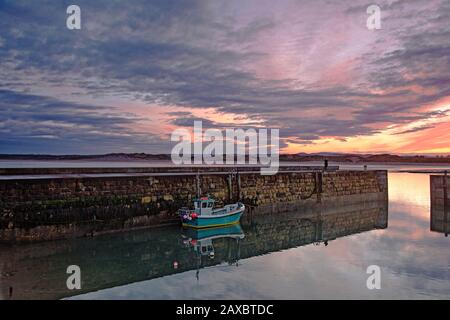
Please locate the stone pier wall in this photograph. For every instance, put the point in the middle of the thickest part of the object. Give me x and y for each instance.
(440, 204)
(51, 208)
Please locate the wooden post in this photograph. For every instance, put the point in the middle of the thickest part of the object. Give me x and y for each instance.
(318, 179)
(199, 191)
(239, 186)
(230, 187)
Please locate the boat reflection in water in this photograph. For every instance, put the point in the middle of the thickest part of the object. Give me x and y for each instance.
(201, 241)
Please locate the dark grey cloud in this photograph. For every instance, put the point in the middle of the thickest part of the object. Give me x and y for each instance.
(416, 129)
(189, 122)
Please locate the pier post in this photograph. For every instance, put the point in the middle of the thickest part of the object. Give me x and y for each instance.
(238, 176)
(230, 187)
(199, 191)
(318, 180)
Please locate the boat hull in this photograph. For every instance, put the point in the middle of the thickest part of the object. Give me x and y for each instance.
(211, 221)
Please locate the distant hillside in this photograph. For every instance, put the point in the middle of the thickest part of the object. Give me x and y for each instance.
(363, 158)
(301, 157)
(103, 157)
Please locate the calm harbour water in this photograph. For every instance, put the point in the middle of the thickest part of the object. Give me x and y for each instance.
(303, 255)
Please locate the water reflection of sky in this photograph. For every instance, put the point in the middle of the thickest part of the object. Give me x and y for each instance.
(415, 263)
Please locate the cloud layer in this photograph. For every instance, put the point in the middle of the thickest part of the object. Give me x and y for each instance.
(139, 69)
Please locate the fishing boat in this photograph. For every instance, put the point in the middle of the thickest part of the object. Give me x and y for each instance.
(204, 215)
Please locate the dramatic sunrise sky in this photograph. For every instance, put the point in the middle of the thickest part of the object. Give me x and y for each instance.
(139, 69)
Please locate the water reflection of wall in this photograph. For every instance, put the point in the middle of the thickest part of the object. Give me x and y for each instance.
(440, 204)
(39, 270)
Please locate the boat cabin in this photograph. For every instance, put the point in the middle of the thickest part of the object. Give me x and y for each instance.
(204, 206)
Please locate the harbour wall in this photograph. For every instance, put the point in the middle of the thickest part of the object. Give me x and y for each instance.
(440, 204)
(52, 205)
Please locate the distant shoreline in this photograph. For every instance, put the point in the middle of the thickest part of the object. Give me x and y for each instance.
(355, 159)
